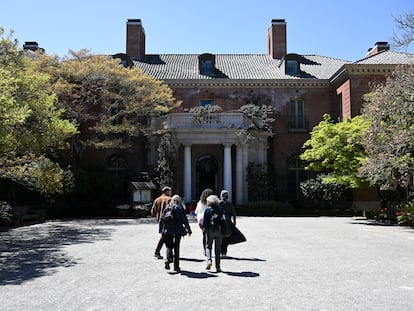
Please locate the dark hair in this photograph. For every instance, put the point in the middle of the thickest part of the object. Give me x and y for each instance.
(165, 189)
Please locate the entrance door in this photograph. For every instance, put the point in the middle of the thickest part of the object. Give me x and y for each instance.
(206, 174)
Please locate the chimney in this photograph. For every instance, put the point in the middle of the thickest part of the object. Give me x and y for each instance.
(135, 39)
(276, 39)
(32, 46)
(378, 47)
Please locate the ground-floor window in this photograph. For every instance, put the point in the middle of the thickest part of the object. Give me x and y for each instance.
(117, 165)
(296, 175)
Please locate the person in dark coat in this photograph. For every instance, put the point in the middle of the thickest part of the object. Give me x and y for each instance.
(230, 213)
(172, 234)
(211, 219)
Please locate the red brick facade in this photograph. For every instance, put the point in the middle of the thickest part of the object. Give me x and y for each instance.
(311, 84)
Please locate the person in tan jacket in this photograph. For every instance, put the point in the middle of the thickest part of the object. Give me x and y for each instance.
(157, 209)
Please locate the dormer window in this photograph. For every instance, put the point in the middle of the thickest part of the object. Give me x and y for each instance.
(292, 65)
(207, 67)
(206, 63)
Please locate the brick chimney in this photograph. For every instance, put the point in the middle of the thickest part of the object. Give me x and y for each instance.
(378, 47)
(135, 39)
(276, 39)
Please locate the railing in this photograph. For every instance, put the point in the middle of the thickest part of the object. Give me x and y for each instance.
(211, 120)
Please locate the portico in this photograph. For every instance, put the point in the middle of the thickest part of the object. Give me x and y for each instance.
(213, 154)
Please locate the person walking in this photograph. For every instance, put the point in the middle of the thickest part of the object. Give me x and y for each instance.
(199, 211)
(211, 225)
(177, 227)
(231, 213)
(157, 209)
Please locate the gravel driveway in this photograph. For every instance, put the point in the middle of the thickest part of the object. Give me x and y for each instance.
(287, 263)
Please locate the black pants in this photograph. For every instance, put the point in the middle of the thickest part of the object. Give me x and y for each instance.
(224, 245)
(160, 244)
(172, 244)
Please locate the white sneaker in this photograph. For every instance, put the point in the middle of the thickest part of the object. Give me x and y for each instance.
(209, 264)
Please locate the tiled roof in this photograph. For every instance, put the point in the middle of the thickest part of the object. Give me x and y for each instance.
(388, 58)
(236, 66)
(255, 66)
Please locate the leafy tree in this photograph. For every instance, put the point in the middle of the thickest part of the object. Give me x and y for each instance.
(337, 148)
(32, 128)
(390, 138)
(109, 102)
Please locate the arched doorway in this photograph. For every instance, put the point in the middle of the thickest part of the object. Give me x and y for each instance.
(206, 173)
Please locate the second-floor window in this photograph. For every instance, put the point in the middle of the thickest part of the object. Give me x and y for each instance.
(297, 114)
(206, 102)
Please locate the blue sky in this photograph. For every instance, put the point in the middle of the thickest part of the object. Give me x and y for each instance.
(340, 29)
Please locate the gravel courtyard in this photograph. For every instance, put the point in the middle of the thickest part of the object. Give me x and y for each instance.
(287, 263)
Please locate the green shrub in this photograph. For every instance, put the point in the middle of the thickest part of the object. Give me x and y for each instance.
(5, 213)
(405, 215)
(322, 194)
(259, 181)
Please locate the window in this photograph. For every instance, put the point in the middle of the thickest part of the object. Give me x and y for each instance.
(117, 165)
(292, 64)
(297, 114)
(207, 67)
(206, 102)
(340, 118)
(296, 175)
(292, 67)
(207, 64)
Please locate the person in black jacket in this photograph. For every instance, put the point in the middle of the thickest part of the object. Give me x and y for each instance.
(173, 233)
(211, 224)
(231, 214)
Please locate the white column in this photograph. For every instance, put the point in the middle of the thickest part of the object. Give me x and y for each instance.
(240, 177)
(227, 180)
(187, 173)
(245, 163)
(263, 150)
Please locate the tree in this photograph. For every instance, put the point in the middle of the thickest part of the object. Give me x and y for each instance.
(109, 102)
(337, 148)
(405, 24)
(390, 138)
(32, 127)
(167, 161)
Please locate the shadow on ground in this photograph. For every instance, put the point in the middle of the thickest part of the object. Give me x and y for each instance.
(205, 275)
(34, 251)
